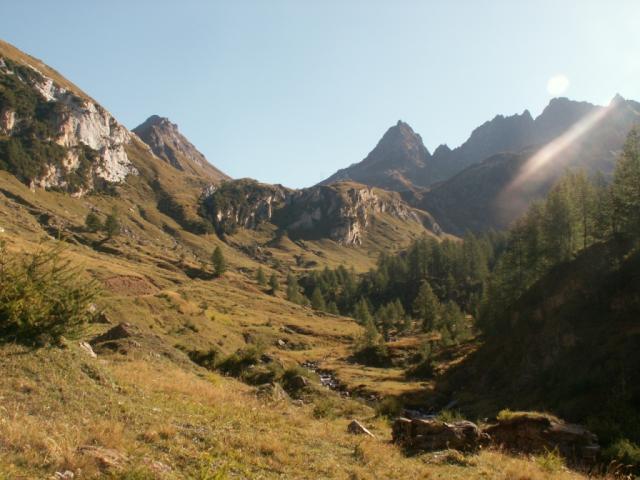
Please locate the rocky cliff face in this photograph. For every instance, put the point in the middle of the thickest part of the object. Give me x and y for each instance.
(341, 212)
(57, 138)
(168, 144)
(241, 204)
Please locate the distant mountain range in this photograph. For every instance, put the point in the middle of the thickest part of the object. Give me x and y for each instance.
(466, 188)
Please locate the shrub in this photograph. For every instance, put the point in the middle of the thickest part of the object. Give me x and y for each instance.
(42, 297)
(550, 461)
(236, 363)
(92, 222)
(389, 406)
(450, 416)
(205, 358)
(625, 452)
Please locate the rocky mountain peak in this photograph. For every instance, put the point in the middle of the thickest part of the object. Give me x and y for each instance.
(400, 147)
(168, 144)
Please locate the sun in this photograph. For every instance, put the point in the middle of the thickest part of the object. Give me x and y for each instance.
(557, 84)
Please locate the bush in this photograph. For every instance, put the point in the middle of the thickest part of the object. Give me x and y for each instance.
(373, 356)
(550, 461)
(92, 222)
(42, 297)
(236, 363)
(624, 452)
(450, 416)
(205, 358)
(389, 407)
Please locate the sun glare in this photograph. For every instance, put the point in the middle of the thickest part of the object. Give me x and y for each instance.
(557, 84)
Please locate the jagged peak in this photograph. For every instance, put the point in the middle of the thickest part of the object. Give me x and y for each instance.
(617, 100)
(401, 135)
(442, 149)
(156, 120)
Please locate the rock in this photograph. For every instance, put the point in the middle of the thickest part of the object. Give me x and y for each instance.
(356, 428)
(66, 475)
(161, 470)
(84, 346)
(533, 432)
(432, 434)
(106, 458)
(298, 382)
(120, 331)
(272, 392)
(119, 338)
(281, 343)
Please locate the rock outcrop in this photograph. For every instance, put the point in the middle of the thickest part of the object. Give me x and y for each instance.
(72, 142)
(531, 433)
(241, 204)
(168, 144)
(520, 432)
(432, 434)
(342, 212)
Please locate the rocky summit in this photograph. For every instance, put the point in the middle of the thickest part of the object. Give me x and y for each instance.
(168, 144)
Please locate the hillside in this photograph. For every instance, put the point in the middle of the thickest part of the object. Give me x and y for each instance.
(579, 325)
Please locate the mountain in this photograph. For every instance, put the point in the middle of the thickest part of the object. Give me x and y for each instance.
(400, 161)
(398, 157)
(494, 192)
(167, 143)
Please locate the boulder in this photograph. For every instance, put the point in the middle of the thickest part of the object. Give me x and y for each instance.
(86, 348)
(433, 434)
(272, 392)
(533, 432)
(356, 428)
(298, 382)
(106, 458)
(117, 339)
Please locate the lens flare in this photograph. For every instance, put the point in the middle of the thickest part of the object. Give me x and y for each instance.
(557, 84)
(539, 167)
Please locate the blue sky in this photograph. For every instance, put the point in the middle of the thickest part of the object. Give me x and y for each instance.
(290, 91)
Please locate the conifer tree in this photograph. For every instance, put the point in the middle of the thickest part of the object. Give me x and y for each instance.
(317, 300)
(260, 277)
(219, 262)
(274, 284)
(112, 224)
(426, 307)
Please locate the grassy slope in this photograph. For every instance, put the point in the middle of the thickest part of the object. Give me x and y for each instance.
(161, 408)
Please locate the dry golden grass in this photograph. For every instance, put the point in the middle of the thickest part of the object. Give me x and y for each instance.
(57, 401)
